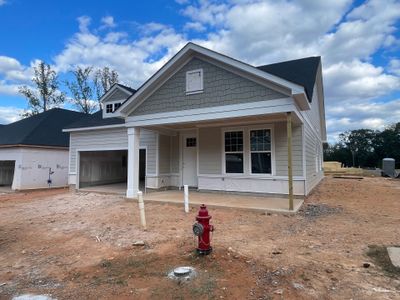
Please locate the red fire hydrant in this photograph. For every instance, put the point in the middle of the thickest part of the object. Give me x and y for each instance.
(202, 230)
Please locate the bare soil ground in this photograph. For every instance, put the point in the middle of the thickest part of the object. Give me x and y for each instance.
(79, 246)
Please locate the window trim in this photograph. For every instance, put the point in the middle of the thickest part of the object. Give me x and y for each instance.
(247, 153)
(107, 107)
(201, 82)
(112, 103)
(233, 152)
(270, 151)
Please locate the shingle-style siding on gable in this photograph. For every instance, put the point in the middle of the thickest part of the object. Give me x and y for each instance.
(221, 87)
(117, 95)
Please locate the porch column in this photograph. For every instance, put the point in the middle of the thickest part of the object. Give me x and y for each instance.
(289, 150)
(133, 162)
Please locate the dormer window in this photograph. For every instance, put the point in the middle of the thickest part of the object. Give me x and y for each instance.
(194, 81)
(109, 108)
(112, 107)
(117, 105)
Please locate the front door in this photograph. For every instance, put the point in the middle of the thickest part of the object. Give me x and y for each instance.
(189, 164)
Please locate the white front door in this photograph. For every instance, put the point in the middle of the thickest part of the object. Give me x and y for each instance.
(189, 163)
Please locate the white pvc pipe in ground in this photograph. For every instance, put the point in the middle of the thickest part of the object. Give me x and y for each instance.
(141, 210)
(186, 197)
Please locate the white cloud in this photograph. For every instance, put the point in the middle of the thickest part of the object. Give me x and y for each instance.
(134, 60)
(84, 22)
(108, 22)
(195, 26)
(357, 80)
(2, 2)
(394, 66)
(360, 114)
(9, 114)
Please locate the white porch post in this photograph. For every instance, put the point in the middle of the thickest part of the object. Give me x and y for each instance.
(133, 162)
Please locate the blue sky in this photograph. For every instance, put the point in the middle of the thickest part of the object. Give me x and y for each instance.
(358, 41)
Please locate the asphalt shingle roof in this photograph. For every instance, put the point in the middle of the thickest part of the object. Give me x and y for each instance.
(44, 129)
(300, 71)
(95, 120)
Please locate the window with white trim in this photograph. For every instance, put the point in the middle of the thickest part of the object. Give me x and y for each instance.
(194, 81)
(233, 151)
(260, 151)
(109, 108)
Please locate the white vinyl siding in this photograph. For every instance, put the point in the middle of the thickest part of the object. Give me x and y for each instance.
(110, 139)
(281, 158)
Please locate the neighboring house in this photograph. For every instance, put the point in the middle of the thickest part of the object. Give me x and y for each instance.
(207, 121)
(34, 150)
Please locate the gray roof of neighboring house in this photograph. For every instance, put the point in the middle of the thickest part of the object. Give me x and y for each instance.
(44, 129)
(95, 120)
(300, 71)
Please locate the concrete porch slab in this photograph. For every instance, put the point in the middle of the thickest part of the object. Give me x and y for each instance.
(250, 202)
(394, 254)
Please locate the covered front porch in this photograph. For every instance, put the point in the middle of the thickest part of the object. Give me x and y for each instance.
(261, 156)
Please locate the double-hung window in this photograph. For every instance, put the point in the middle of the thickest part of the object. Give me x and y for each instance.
(260, 151)
(234, 152)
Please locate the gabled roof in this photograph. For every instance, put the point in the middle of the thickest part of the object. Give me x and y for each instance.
(127, 88)
(95, 120)
(189, 50)
(301, 71)
(44, 129)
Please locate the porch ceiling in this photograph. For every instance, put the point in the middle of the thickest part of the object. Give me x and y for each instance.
(250, 120)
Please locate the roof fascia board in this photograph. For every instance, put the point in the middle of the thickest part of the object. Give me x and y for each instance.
(93, 128)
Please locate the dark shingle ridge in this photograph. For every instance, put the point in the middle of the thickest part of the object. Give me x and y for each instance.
(301, 71)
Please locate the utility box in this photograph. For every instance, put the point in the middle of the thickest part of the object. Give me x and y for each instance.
(388, 167)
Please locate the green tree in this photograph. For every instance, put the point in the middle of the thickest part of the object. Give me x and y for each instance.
(387, 143)
(81, 88)
(45, 93)
(360, 143)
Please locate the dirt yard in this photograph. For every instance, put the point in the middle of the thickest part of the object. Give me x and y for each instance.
(80, 246)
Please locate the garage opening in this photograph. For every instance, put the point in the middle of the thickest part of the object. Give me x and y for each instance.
(108, 170)
(7, 168)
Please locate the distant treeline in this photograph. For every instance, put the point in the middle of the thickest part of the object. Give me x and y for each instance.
(365, 147)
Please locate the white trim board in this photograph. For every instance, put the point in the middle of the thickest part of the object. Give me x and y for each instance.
(94, 128)
(282, 105)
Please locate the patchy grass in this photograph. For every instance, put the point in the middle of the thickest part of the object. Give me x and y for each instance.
(381, 258)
